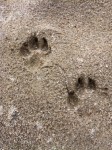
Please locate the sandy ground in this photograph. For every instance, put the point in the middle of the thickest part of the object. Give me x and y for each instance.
(55, 75)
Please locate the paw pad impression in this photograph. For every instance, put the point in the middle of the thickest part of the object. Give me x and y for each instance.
(34, 43)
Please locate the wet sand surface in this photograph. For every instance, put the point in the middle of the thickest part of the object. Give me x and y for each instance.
(55, 75)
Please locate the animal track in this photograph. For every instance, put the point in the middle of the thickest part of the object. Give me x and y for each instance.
(82, 83)
(34, 43)
(34, 48)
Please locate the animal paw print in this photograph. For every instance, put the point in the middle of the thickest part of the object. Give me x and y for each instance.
(34, 49)
(84, 83)
(81, 84)
(34, 43)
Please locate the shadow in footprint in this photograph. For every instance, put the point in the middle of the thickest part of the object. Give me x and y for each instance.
(24, 49)
(30, 44)
(33, 42)
(43, 44)
(72, 98)
(91, 83)
(80, 83)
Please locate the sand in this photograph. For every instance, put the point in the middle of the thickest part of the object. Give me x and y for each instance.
(55, 74)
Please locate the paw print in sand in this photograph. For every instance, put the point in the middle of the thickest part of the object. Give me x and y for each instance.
(34, 49)
(73, 95)
(82, 85)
